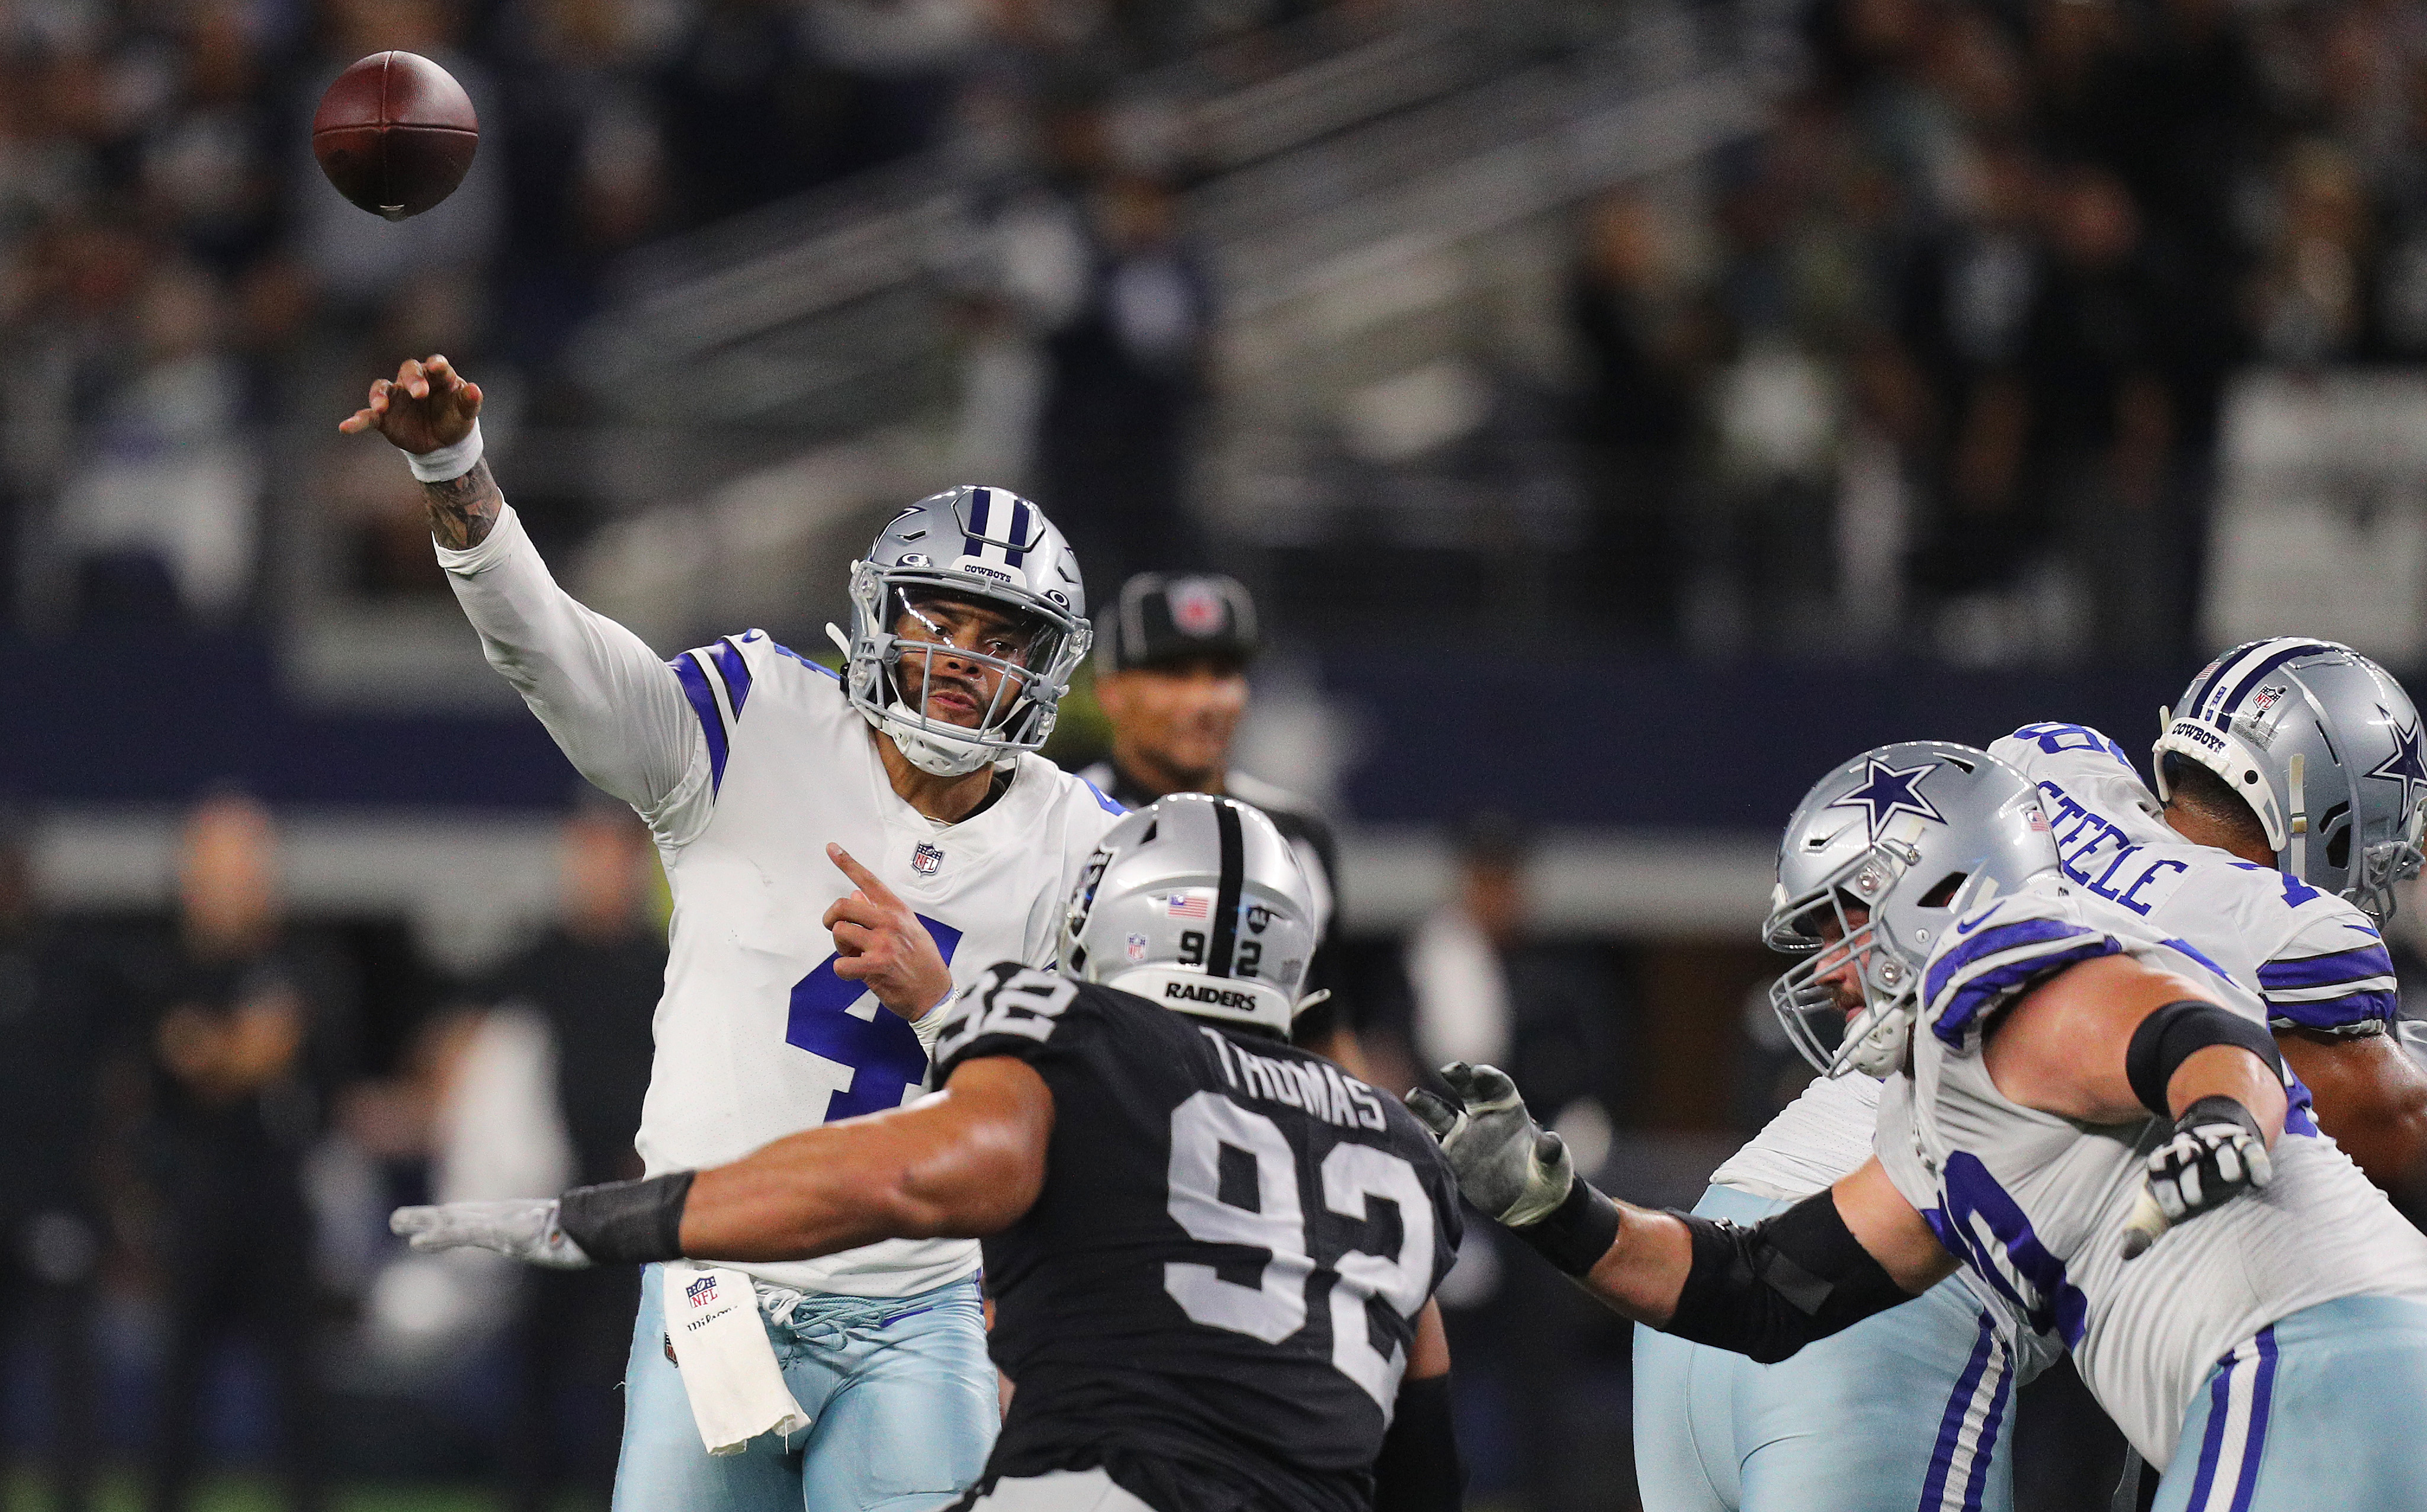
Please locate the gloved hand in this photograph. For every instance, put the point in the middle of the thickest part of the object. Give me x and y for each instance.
(2217, 1153)
(523, 1229)
(1507, 1164)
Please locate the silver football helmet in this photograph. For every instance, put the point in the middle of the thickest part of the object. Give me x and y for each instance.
(2324, 745)
(1197, 902)
(970, 542)
(1907, 837)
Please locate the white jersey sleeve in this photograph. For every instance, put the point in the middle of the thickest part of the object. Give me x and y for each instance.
(617, 710)
(1997, 953)
(2333, 974)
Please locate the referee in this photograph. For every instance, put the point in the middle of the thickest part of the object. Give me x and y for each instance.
(1171, 674)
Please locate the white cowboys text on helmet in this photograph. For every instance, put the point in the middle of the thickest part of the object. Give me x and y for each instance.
(2324, 747)
(1196, 902)
(971, 543)
(1906, 836)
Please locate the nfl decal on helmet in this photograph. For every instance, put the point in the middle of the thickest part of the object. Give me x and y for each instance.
(2324, 747)
(1198, 903)
(1908, 836)
(971, 542)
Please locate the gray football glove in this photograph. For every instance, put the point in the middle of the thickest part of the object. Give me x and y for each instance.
(2217, 1153)
(1507, 1164)
(523, 1229)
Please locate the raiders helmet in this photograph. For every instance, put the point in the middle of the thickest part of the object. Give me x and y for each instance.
(2324, 745)
(967, 543)
(1198, 903)
(1913, 835)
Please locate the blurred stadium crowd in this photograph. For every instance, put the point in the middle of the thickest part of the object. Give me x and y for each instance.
(1933, 361)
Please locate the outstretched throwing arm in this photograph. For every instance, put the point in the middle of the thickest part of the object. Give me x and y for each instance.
(615, 709)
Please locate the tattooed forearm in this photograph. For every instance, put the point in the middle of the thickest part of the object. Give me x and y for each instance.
(463, 510)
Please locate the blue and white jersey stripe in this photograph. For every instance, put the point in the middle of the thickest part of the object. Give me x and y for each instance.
(716, 681)
(1988, 960)
(2331, 990)
(2242, 1393)
(1967, 1430)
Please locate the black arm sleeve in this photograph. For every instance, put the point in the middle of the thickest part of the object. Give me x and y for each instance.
(1767, 1290)
(1418, 1469)
(628, 1223)
(2173, 1033)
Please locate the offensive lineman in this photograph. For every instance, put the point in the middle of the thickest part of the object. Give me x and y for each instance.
(1212, 1254)
(1876, 1415)
(915, 775)
(2075, 1066)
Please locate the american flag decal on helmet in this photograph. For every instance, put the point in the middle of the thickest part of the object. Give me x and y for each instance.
(1185, 908)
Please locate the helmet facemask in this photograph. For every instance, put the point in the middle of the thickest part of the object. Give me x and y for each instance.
(1873, 1040)
(903, 621)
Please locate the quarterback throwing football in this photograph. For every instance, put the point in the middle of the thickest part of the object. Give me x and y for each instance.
(760, 774)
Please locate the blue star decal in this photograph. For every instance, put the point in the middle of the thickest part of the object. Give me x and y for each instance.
(1887, 792)
(2406, 765)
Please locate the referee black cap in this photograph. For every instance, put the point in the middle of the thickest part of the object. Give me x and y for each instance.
(1165, 618)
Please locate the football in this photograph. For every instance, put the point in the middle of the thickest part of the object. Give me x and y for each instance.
(395, 133)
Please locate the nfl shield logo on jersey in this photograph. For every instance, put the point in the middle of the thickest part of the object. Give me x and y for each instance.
(701, 1291)
(926, 860)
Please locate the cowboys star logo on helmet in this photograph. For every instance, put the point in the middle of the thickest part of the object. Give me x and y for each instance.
(2405, 765)
(1887, 792)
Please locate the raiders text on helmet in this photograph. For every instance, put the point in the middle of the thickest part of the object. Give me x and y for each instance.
(975, 544)
(1198, 903)
(2324, 745)
(1910, 836)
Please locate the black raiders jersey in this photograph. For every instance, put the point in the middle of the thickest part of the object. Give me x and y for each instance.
(1213, 1296)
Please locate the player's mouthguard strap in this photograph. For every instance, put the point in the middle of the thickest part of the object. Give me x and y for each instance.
(2178, 1030)
(446, 463)
(1574, 1235)
(628, 1223)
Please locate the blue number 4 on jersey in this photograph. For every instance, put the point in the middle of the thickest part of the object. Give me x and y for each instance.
(842, 1022)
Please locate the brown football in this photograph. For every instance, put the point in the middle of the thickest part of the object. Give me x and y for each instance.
(395, 133)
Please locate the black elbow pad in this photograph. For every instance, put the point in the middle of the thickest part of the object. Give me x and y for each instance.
(1767, 1290)
(2179, 1030)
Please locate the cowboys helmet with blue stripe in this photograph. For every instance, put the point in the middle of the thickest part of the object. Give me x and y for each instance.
(970, 542)
(1198, 903)
(2324, 745)
(1889, 848)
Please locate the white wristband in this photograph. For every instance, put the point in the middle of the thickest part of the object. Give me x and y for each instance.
(446, 463)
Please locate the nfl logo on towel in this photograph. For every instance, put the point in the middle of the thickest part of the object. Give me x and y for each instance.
(926, 860)
(701, 1291)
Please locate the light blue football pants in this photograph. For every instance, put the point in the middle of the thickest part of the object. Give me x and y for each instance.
(899, 1391)
(2326, 1409)
(1910, 1410)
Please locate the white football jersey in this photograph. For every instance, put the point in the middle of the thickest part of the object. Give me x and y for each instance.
(746, 760)
(2315, 959)
(2035, 1205)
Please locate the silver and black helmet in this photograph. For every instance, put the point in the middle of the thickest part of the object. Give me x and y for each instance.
(1198, 903)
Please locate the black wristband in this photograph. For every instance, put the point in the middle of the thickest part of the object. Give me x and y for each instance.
(1417, 1469)
(628, 1223)
(2178, 1030)
(1577, 1233)
(2216, 1108)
